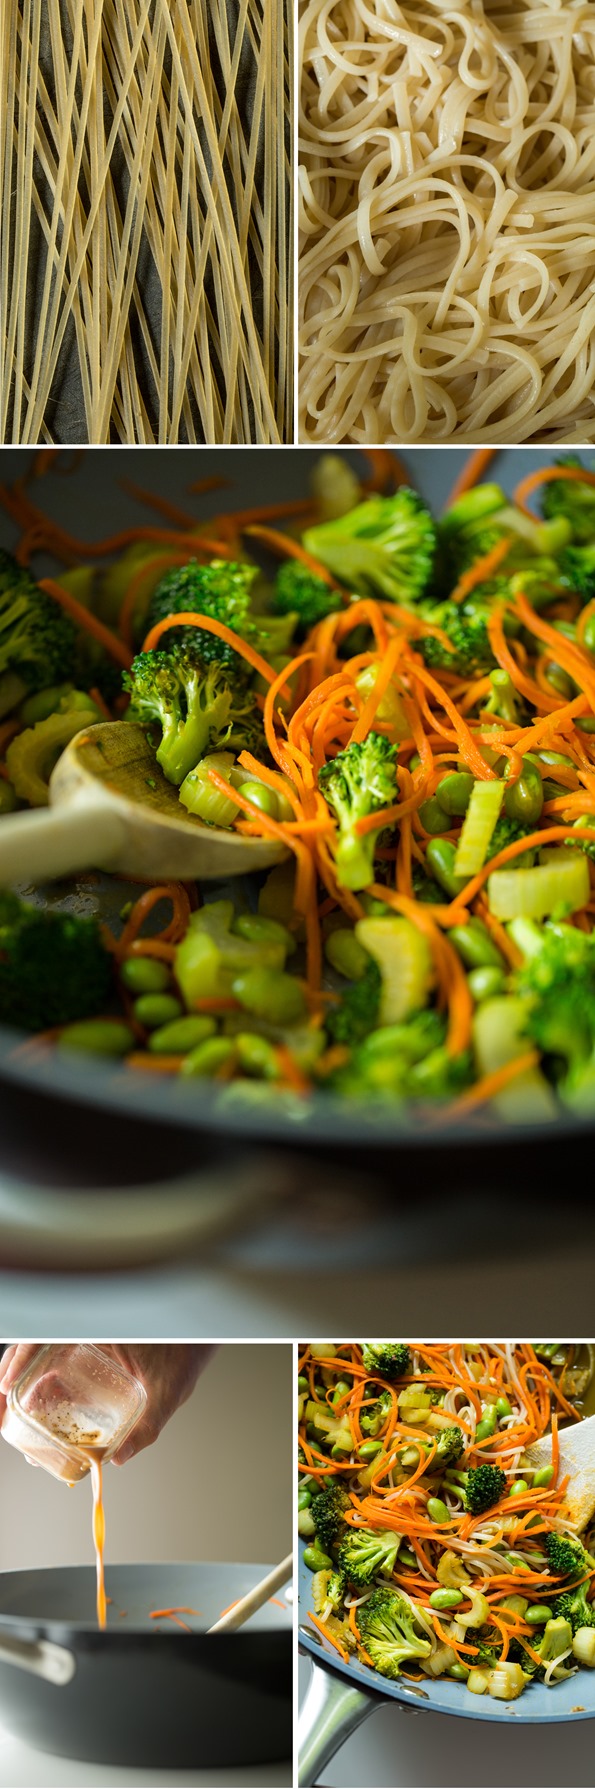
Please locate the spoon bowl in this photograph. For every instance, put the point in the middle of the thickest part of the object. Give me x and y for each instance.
(111, 808)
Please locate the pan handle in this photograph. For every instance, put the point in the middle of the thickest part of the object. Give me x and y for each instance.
(332, 1709)
(42, 1657)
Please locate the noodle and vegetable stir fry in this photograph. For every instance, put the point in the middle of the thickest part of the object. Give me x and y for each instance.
(435, 1547)
(403, 707)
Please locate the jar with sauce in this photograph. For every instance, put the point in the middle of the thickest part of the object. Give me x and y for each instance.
(71, 1406)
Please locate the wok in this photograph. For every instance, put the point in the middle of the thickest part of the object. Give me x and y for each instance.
(203, 1115)
(144, 1692)
(340, 1696)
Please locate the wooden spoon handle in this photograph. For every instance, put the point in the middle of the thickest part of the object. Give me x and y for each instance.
(255, 1598)
(56, 841)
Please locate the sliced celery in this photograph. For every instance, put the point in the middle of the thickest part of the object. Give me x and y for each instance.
(534, 894)
(200, 796)
(478, 826)
(404, 961)
(499, 1036)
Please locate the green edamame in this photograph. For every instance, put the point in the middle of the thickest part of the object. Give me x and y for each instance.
(262, 797)
(259, 930)
(437, 1510)
(144, 975)
(488, 1423)
(524, 798)
(316, 1560)
(341, 1390)
(256, 1056)
(455, 791)
(461, 1672)
(208, 1058)
(475, 946)
(157, 1009)
(101, 1037)
(518, 1488)
(181, 1035)
(503, 1407)
(302, 1382)
(440, 857)
(345, 954)
(543, 1477)
(538, 1614)
(433, 817)
(484, 983)
(304, 1500)
(43, 703)
(368, 1449)
(445, 1599)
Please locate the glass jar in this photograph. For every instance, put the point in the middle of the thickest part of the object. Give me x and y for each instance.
(72, 1404)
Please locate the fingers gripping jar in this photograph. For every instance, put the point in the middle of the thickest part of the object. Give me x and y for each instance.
(72, 1404)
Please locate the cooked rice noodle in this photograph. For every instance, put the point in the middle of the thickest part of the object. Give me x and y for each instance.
(447, 216)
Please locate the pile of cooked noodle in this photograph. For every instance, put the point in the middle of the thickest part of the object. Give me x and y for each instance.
(447, 195)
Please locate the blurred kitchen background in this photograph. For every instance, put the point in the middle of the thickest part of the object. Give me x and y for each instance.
(197, 1493)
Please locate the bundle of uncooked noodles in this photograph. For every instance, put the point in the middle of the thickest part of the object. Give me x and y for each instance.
(145, 290)
(447, 200)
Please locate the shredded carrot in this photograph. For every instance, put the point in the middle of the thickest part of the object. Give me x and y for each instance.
(482, 569)
(193, 618)
(283, 545)
(473, 470)
(545, 475)
(323, 1629)
(488, 1086)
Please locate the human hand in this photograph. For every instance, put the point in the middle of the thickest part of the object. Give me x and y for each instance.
(167, 1370)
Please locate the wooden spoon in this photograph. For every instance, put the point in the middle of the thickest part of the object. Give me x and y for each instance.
(254, 1599)
(577, 1457)
(111, 808)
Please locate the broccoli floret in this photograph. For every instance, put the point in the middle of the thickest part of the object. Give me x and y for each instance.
(391, 1631)
(37, 640)
(335, 1591)
(220, 590)
(407, 1060)
(506, 832)
(449, 1447)
(356, 1014)
(439, 1075)
(480, 519)
(572, 1605)
(390, 1359)
(195, 705)
(483, 1486)
(566, 1555)
(328, 1514)
(375, 1415)
(356, 783)
(558, 981)
(466, 626)
(384, 547)
(364, 1552)
(53, 966)
(572, 499)
(577, 569)
(300, 593)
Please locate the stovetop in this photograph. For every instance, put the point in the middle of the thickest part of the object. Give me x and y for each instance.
(21, 1767)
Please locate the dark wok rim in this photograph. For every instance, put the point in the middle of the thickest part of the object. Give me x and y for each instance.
(62, 1630)
(320, 1120)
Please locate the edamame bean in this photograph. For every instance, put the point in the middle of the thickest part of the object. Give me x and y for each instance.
(302, 1383)
(488, 1423)
(263, 931)
(43, 703)
(157, 1009)
(586, 722)
(257, 1056)
(440, 857)
(8, 800)
(560, 681)
(368, 1449)
(461, 1672)
(341, 1389)
(144, 975)
(345, 954)
(455, 791)
(433, 817)
(271, 994)
(445, 1599)
(524, 798)
(519, 1487)
(304, 1500)
(262, 797)
(503, 1407)
(316, 1560)
(437, 1510)
(406, 1557)
(182, 1034)
(101, 1037)
(543, 1477)
(538, 1614)
(475, 947)
(483, 983)
(207, 1058)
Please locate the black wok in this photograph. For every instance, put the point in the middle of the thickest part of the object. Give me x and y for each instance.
(145, 1692)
